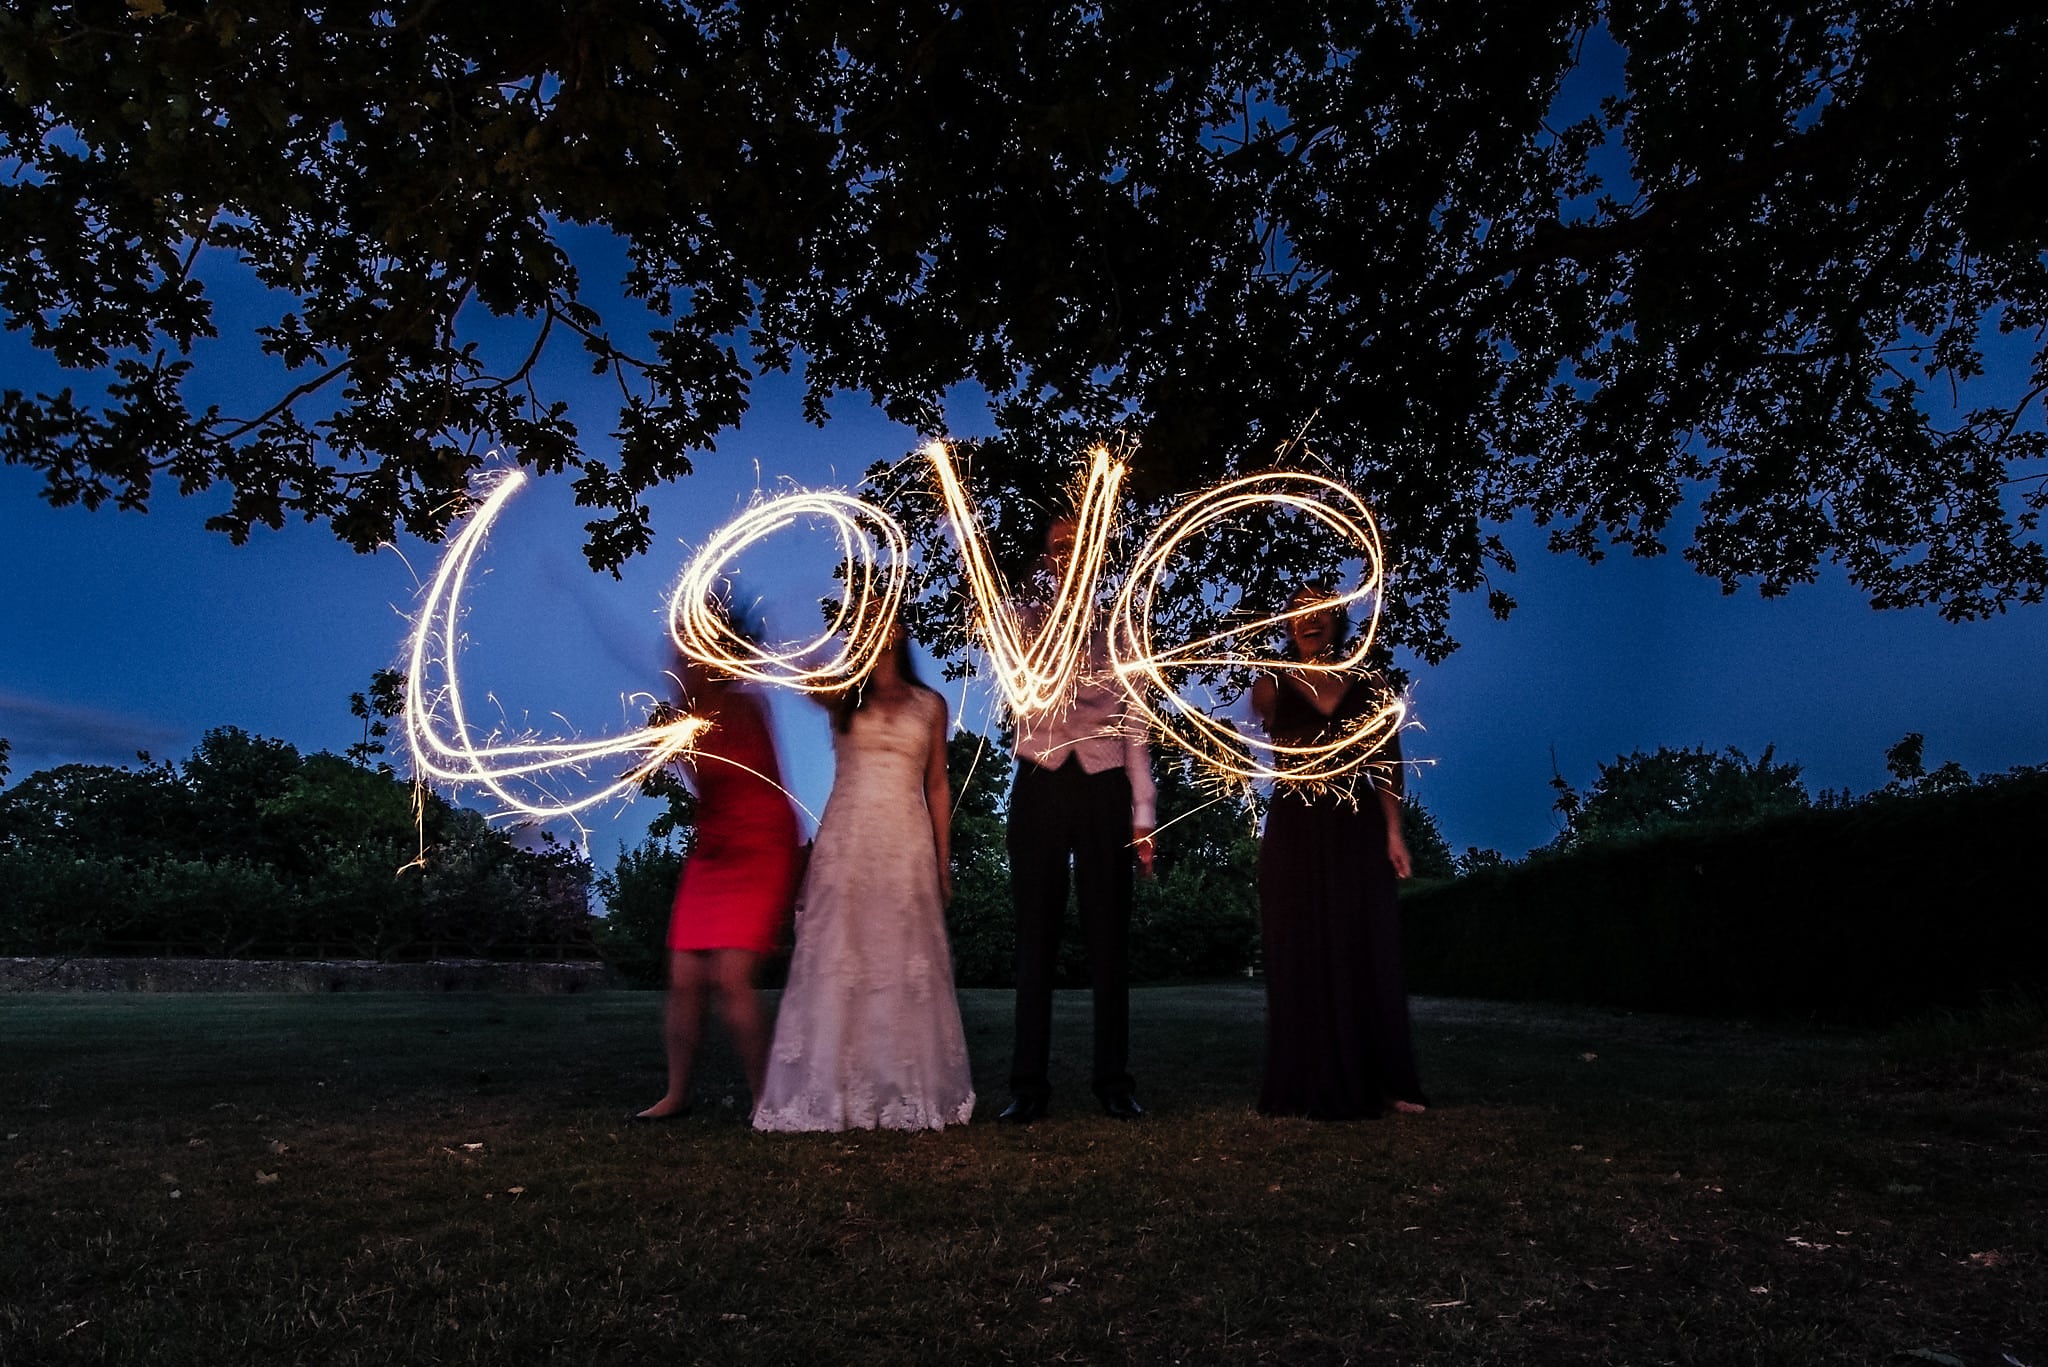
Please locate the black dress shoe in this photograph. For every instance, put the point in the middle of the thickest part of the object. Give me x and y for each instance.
(1122, 1106)
(1022, 1110)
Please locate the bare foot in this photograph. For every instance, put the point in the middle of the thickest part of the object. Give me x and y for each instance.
(1410, 1107)
(664, 1109)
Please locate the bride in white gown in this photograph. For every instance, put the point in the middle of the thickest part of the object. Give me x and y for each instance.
(868, 1034)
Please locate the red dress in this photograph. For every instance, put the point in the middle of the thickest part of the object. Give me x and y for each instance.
(740, 878)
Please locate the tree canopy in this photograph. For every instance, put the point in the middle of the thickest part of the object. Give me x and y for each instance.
(1640, 794)
(1775, 267)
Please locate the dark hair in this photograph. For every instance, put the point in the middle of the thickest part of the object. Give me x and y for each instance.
(856, 697)
(1343, 636)
(743, 621)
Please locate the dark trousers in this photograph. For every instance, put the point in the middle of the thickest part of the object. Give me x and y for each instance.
(1057, 815)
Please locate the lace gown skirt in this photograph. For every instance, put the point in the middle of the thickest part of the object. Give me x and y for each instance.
(869, 1034)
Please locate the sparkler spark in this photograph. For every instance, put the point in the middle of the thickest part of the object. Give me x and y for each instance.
(1141, 666)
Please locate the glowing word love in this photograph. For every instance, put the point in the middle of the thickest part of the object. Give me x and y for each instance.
(1034, 655)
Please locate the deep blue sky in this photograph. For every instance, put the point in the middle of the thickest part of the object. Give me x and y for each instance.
(124, 632)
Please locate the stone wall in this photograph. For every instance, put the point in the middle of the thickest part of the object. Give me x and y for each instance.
(288, 975)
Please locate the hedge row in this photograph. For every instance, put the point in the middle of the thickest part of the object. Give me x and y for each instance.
(477, 897)
(1866, 914)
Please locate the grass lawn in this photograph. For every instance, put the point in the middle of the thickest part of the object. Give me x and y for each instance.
(417, 1179)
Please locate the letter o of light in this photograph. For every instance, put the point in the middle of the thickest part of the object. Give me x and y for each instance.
(1142, 668)
(874, 553)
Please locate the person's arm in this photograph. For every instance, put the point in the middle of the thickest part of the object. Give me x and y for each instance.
(938, 799)
(1397, 848)
(1265, 698)
(1144, 791)
(1389, 780)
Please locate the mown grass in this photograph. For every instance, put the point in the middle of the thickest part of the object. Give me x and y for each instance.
(409, 1179)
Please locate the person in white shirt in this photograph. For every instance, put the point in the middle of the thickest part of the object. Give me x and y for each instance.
(1083, 795)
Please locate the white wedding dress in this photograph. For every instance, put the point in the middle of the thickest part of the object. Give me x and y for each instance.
(869, 1032)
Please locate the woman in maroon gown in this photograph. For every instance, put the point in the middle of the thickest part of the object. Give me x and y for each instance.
(733, 901)
(1337, 1037)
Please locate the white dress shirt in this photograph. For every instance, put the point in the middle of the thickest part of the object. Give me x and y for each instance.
(1095, 724)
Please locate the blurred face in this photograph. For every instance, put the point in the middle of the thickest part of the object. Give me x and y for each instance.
(888, 665)
(1059, 541)
(1313, 632)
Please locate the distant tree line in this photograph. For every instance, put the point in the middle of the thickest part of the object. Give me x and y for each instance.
(1703, 882)
(249, 848)
(1642, 794)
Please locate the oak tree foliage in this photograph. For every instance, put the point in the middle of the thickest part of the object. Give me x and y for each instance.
(1783, 260)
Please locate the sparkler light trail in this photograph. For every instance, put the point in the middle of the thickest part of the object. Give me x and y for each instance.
(866, 610)
(1141, 666)
(1033, 675)
(454, 756)
(1033, 655)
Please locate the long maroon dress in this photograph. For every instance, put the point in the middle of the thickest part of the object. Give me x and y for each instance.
(1337, 1037)
(740, 878)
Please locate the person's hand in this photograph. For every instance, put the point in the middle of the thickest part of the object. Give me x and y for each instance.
(1141, 838)
(1397, 854)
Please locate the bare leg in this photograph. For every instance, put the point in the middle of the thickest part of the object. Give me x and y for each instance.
(733, 972)
(689, 973)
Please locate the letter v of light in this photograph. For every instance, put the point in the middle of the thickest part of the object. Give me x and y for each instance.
(1034, 655)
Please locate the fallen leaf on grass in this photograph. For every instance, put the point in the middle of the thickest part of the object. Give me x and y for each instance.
(1759, 1291)
(1587, 1058)
(1991, 1258)
(279, 1146)
(264, 1179)
(515, 1191)
(472, 1147)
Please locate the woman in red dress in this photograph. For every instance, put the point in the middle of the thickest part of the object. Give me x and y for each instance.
(733, 901)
